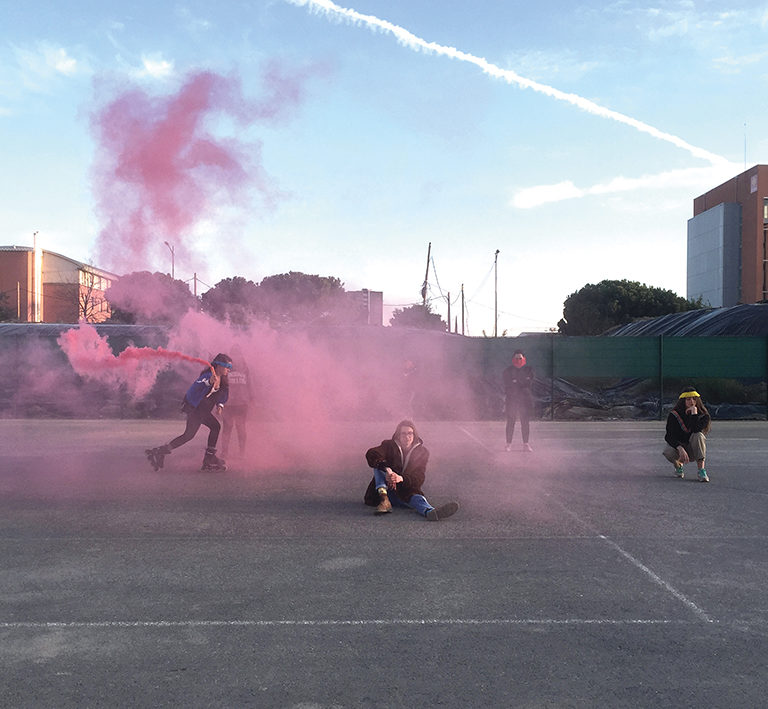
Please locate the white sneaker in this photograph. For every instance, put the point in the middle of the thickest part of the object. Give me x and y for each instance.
(527, 448)
(508, 447)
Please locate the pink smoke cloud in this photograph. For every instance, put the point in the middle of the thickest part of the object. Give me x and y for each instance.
(160, 168)
(135, 369)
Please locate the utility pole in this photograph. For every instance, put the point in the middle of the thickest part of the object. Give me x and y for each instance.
(496, 294)
(449, 311)
(462, 308)
(426, 278)
(173, 259)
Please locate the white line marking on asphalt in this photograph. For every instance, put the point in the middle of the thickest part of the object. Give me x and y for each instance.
(655, 577)
(635, 562)
(75, 625)
(476, 439)
(638, 564)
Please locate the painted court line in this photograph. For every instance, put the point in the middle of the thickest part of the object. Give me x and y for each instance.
(76, 625)
(475, 439)
(635, 562)
(638, 564)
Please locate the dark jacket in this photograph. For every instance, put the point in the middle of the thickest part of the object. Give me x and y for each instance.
(413, 468)
(681, 426)
(518, 382)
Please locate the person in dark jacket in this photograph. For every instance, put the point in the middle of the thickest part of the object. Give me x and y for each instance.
(518, 398)
(238, 404)
(399, 469)
(687, 427)
(208, 392)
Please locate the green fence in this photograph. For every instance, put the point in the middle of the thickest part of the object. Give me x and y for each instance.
(661, 362)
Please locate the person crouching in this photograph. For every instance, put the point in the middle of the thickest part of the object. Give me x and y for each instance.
(687, 427)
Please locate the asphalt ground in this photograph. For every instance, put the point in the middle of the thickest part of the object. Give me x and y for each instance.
(583, 574)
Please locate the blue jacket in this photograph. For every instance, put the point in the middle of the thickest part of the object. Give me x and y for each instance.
(201, 391)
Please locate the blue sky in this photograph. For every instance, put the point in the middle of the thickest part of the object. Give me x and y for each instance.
(572, 137)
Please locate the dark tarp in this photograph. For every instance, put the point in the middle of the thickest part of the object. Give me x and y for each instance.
(736, 320)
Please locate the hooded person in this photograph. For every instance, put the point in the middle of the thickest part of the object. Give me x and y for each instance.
(518, 398)
(239, 400)
(688, 424)
(206, 395)
(399, 469)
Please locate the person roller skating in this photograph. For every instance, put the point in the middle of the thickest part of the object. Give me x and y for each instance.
(207, 394)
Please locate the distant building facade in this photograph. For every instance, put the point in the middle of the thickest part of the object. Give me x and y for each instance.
(728, 241)
(43, 286)
(368, 306)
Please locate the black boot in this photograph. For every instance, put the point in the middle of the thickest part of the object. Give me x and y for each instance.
(211, 462)
(156, 456)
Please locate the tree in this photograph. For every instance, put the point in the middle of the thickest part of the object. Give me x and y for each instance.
(596, 308)
(234, 299)
(92, 306)
(419, 316)
(149, 298)
(300, 299)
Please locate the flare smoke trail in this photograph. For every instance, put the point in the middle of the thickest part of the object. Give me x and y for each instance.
(415, 43)
(135, 368)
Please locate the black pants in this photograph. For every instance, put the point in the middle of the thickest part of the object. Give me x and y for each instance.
(235, 417)
(518, 408)
(195, 419)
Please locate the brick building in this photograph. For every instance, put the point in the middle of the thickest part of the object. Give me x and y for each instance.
(728, 241)
(43, 286)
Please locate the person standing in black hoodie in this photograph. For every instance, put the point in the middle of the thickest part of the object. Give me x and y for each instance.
(518, 398)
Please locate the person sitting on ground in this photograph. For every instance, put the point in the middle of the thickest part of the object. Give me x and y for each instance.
(399, 468)
(687, 427)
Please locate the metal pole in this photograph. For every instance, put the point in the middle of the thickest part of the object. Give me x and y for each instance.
(661, 376)
(449, 311)
(552, 377)
(462, 308)
(173, 259)
(496, 294)
(426, 277)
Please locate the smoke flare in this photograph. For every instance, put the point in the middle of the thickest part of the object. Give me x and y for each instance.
(135, 368)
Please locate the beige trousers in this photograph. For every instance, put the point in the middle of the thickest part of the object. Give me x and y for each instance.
(696, 449)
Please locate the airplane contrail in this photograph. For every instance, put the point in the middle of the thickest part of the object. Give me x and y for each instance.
(410, 40)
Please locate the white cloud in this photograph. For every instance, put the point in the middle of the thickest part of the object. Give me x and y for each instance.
(154, 66)
(694, 178)
(545, 194)
(60, 61)
(733, 64)
(564, 65)
(44, 63)
(194, 25)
